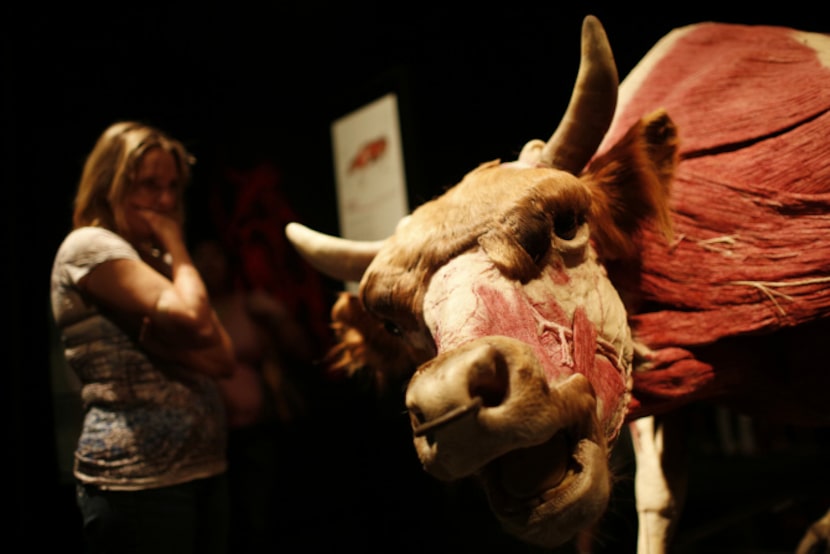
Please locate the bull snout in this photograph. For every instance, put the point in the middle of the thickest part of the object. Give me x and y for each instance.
(486, 398)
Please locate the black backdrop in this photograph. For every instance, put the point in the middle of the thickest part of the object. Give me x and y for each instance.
(475, 84)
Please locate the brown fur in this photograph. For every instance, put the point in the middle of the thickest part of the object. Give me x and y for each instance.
(363, 345)
(631, 186)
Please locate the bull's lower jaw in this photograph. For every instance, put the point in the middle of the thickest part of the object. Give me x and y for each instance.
(565, 501)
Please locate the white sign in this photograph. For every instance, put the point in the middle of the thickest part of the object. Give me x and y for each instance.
(369, 171)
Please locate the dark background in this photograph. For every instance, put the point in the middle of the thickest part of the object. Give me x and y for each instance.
(264, 81)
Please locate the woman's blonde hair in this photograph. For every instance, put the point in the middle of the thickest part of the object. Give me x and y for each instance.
(110, 170)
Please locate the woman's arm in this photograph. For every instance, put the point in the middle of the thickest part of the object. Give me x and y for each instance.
(215, 359)
(148, 306)
(173, 317)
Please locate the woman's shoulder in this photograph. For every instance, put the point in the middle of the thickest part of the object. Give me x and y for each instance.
(93, 235)
(93, 245)
(84, 234)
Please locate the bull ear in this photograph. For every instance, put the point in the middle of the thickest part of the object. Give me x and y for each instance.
(591, 107)
(364, 346)
(339, 258)
(630, 184)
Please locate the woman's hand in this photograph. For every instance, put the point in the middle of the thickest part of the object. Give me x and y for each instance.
(165, 229)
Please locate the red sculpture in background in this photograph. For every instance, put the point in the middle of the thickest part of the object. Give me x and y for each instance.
(249, 211)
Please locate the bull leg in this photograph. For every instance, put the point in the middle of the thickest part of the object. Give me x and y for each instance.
(659, 480)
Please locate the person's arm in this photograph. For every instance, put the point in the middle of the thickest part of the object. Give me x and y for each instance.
(172, 318)
(215, 359)
(289, 337)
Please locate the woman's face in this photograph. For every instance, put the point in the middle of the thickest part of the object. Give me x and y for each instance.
(156, 188)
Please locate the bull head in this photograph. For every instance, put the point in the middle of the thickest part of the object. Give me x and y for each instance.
(497, 292)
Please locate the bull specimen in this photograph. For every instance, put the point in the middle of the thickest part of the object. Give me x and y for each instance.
(669, 243)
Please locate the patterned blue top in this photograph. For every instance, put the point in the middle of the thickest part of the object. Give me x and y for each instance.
(147, 423)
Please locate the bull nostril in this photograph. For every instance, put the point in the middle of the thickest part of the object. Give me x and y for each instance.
(476, 378)
(416, 417)
(490, 382)
(420, 429)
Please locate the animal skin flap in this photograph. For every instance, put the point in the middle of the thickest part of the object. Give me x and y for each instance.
(749, 81)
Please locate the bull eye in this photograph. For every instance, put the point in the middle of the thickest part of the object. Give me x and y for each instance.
(391, 328)
(533, 235)
(567, 224)
(536, 245)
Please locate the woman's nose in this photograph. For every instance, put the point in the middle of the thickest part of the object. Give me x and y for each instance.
(166, 199)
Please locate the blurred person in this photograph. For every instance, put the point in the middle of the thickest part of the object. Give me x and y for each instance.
(139, 331)
(272, 354)
(269, 345)
(248, 206)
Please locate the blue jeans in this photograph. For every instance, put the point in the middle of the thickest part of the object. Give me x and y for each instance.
(191, 518)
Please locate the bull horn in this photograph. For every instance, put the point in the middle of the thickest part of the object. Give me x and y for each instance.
(338, 258)
(591, 107)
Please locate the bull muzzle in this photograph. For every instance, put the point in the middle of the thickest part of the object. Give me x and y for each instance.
(489, 409)
(489, 397)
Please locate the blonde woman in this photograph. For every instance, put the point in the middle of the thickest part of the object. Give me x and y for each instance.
(140, 333)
